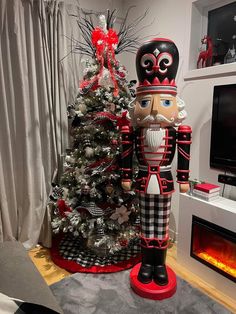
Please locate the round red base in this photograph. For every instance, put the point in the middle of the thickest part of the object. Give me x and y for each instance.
(152, 290)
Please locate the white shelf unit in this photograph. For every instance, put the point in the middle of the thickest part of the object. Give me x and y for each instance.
(211, 72)
(199, 20)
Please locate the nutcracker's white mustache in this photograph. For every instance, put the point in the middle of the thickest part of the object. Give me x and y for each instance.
(156, 119)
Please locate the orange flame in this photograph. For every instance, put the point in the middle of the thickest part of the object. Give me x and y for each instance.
(226, 267)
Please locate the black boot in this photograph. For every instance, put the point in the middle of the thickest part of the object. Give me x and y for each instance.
(146, 269)
(160, 276)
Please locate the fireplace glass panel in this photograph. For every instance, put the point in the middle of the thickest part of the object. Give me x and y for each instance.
(214, 246)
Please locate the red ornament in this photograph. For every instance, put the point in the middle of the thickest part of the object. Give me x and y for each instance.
(123, 242)
(121, 74)
(114, 142)
(63, 208)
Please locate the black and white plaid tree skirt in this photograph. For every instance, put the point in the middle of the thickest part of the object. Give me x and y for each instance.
(70, 253)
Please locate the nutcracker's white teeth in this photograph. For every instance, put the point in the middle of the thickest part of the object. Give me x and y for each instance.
(155, 125)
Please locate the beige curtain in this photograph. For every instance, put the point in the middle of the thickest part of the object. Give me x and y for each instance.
(36, 86)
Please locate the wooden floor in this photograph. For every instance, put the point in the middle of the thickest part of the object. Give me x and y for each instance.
(52, 273)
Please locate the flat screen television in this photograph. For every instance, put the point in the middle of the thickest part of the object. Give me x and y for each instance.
(223, 128)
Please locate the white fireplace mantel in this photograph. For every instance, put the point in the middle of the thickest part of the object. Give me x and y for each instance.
(221, 212)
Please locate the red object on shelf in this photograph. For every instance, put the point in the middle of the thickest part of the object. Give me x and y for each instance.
(207, 187)
(152, 290)
(205, 57)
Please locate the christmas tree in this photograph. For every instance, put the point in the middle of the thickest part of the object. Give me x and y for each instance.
(100, 220)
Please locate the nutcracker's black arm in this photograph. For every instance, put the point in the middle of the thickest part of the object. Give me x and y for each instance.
(183, 144)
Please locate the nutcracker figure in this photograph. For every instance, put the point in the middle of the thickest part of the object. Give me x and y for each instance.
(155, 132)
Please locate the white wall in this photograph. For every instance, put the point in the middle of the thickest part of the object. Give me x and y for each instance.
(166, 18)
(98, 6)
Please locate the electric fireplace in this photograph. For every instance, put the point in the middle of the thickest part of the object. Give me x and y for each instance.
(214, 246)
(206, 243)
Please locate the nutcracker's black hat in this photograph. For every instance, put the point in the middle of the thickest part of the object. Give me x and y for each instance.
(157, 62)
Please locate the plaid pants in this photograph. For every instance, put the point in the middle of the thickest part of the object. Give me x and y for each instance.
(155, 214)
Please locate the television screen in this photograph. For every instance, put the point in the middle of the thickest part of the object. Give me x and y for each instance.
(223, 128)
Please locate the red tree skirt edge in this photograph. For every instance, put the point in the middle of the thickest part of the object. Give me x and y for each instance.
(74, 267)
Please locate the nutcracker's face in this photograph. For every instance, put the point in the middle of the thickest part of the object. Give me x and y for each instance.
(155, 109)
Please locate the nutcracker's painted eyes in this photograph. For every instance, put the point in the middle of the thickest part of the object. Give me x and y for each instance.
(166, 102)
(144, 103)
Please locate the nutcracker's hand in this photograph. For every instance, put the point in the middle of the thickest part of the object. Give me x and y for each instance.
(183, 187)
(126, 185)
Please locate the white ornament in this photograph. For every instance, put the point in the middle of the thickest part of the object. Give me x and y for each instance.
(70, 159)
(89, 152)
(82, 108)
(105, 80)
(102, 23)
(79, 172)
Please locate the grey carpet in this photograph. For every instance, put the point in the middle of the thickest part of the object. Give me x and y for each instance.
(111, 294)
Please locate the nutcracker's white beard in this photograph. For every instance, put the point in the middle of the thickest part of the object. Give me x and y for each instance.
(154, 137)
